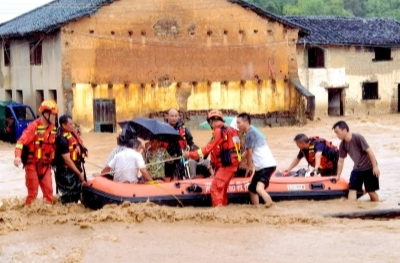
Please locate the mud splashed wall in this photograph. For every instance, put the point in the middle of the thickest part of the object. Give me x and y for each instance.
(140, 100)
(189, 55)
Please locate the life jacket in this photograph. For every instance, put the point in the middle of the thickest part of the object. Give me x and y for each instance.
(42, 149)
(182, 141)
(73, 142)
(227, 153)
(329, 157)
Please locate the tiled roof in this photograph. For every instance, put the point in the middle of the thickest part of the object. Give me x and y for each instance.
(55, 14)
(51, 16)
(327, 30)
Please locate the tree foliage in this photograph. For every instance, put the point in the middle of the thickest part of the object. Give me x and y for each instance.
(359, 8)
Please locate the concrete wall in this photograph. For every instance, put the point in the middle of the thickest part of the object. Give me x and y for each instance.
(348, 68)
(158, 54)
(22, 78)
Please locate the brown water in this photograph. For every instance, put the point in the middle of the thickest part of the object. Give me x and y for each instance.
(292, 231)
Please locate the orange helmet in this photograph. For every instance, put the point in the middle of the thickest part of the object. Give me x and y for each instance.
(215, 114)
(49, 105)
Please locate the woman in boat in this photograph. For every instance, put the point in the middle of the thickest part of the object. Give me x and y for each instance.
(155, 155)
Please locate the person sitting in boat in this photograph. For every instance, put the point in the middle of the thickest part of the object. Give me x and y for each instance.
(70, 154)
(155, 155)
(128, 133)
(127, 164)
(224, 148)
(322, 155)
(174, 148)
(200, 166)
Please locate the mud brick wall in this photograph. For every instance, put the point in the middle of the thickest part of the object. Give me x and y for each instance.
(193, 119)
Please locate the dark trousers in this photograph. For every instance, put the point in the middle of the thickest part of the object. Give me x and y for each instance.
(68, 185)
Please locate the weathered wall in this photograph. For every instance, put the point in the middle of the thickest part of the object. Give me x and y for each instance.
(190, 54)
(20, 75)
(348, 67)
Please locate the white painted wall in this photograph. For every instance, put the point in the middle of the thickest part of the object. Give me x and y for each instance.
(349, 67)
(20, 75)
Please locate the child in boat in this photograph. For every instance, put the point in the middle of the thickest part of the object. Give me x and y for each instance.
(155, 155)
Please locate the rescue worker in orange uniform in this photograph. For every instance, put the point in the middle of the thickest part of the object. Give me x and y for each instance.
(70, 154)
(35, 149)
(224, 148)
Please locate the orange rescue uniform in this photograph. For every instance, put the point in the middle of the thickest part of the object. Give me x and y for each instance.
(224, 148)
(41, 144)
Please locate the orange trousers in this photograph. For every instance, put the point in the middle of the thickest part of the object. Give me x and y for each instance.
(220, 184)
(32, 184)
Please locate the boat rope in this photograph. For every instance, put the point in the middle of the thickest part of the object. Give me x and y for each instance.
(158, 184)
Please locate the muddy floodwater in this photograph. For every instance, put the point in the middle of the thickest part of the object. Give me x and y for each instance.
(292, 231)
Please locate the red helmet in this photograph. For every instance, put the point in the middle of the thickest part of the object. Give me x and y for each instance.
(215, 114)
(49, 105)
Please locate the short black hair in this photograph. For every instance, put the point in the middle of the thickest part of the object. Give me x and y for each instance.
(64, 119)
(133, 143)
(301, 137)
(245, 116)
(342, 125)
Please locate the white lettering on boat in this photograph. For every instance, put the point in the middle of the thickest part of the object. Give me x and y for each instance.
(234, 187)
(296, 187)
(239, 187)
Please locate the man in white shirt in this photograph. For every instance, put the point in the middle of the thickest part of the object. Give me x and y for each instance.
(127, 164)
(258, 153)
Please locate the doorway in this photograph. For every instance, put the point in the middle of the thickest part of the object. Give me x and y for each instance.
(335, 102)
(398, 98)
(104, 115)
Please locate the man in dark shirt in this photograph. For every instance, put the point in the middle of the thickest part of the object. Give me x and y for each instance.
(175, 148)
(365, 170)
(319, 154)
(68, 165)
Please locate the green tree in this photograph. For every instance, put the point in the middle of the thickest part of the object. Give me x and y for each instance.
(383, 8)
(357, 7)
(273, 6)
(317, 7)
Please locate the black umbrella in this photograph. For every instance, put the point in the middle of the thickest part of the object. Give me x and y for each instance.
(146, 128)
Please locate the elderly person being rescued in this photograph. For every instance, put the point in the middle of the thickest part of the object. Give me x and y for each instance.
(155, 157)
(127, 164)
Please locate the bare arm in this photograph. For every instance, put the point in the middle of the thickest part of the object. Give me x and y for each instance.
(71, 165)
(105, 170)
(371, 156)
(294, 163)
(146, 174)
(249, 156)
(339, 168)
(318, 156)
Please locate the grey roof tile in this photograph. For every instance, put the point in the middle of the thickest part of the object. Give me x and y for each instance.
(329, 30)
(49, 17)
(55, 14)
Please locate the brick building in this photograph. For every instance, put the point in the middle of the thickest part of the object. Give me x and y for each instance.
(105, 61)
